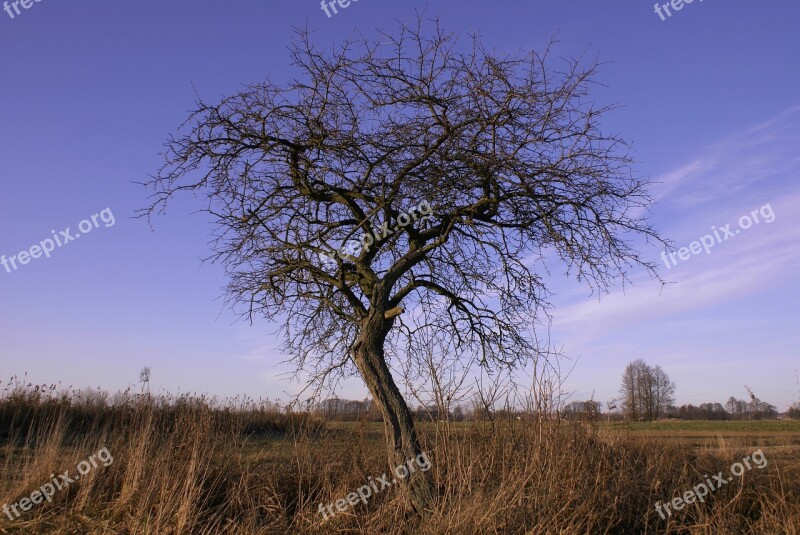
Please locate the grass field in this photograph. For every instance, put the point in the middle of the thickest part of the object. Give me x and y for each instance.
(187, 465)
(678, 426)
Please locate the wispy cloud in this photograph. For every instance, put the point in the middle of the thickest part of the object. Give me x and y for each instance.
(758, 155)
(719, 309)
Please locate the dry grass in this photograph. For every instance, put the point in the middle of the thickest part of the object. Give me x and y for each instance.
(191, 465)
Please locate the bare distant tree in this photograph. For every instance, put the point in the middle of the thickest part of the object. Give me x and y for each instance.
(144, 378)
(630, 390)
(753, 400)
(610, 406)
(731, 406)
(507, 151)
(759, 409)
(647, 392)
(663, 392)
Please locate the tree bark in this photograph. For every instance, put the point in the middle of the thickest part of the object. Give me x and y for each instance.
(402, 442)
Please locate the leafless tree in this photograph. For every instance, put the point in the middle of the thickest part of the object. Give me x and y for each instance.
(663, 392)
(508, 152)
(437, 375)
(610, 406)
(647, 392)
(630, 390)
(144, 378)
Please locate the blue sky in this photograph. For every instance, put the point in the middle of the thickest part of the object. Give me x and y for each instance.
(90, 90)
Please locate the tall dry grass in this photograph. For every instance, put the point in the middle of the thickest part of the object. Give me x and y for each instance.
(195, 465)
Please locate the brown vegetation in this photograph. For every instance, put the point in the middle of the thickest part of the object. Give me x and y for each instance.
(192, 465)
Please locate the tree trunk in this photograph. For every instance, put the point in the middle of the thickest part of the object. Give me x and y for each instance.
(401, 437)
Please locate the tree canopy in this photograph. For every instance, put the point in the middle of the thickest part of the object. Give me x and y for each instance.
(506, 151)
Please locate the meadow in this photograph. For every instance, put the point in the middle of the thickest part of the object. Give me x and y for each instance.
(190, 464)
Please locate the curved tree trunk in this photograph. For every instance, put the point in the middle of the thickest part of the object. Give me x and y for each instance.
(401, 436)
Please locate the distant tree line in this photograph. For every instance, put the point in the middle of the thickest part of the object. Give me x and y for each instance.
(706, 411)
(434, 413)
(647, 396)
(582, 410)
(346, 410)
(734, 409)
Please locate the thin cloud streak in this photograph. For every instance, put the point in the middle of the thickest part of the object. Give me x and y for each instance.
(703, 320)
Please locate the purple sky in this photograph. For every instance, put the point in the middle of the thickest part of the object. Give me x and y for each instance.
(91, 89)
